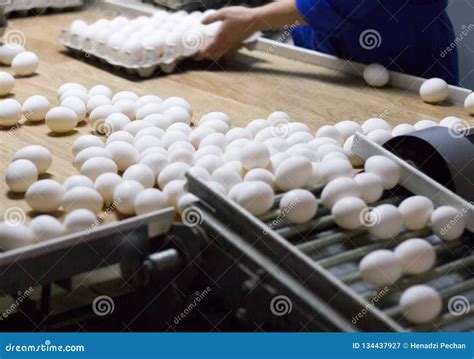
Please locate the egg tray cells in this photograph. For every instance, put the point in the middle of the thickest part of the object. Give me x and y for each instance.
(22, 7)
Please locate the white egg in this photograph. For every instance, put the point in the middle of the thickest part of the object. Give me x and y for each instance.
(125, 95)
(150, 131)
(255, 155)
(140, 173)
(186, 201)
(7, 82)
(171, 137)
(270, 132)
(152, 108)
(210, 162)
(149, 200)
(348, 128)
(237, 132)
(61, 119)
(416, 211)
(12, 237)
(178, 115)
(434, 90)
(323, 150)
(421, 303)
(105, 184)
(294, 127)
(145, 100)
(198, 134)
(260, 174)
(255, 126)
(8, 51)
(200, 173)
(95, 166)
(379, 136)
(353, 158)
(217, 116)
(335, 168)
(216, 187)
(339, 188)
(375, 124)
(78, 27)
(231, 153)
(384, 221)
(173, 191)
(115, 122)
(100, 90)
(155, 162)
(255, 196)
(292, 173)
(417, 255)
(178, 102)
(448, 223)
(380, 267)
(70, 86)
(20, 175)
(82, 197)
(145, 142)
(181, 155)
(332, 155)
(424, 124)
(451, 122)
(76, 93)
(79, 220)
(298, 206)
(120, 136)
(136, 126)
(403, 129)
(227, 178)
(347, 212)
(152, 150)
(376, 75)
(77, 181)
(88, 153)
(387, 170)
(84, 142)
(96, 101)
(39, 155)
(180, 127)
(316, 175)
(123, 154)
(371, 188)
(215, 139)
(125, 194)
(98, 117)
(469, 104)
(77, 106)
(299, 137)
(45, 195)
(277, 144)
(36, 107)
(317, 142)
(172, 171)
(304, 150)
(331, 132)
(46, 227)
(278, 115)
(222, 127)
(10, 112)
(25, 63)
(126, 107)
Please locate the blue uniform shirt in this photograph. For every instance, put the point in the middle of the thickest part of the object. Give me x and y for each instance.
(409, 36)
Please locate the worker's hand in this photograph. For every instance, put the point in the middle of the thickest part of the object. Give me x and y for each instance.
(238, 23)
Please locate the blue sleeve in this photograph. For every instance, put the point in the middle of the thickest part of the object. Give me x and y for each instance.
(328, 15)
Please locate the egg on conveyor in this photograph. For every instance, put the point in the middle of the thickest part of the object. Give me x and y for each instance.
(375, 123)
(8, 51)
(172, 171)
(39, 155)
(384, 221)
(25, 63)
(421, 303)
(79, 220)
(403, 129)
(46, 227)
(187, 200)
(123, 154)
(298, 206)
(447, 222)
(45, 195)
(255, 155)
(348, 211)
(336, 167)
(417, 255)
(12, 237)
(105, 184)
(376, 75)
(339, 188)
(386, 169)
(416, 211)
(7, 82)
(36, 107)
(10, 112)
(331, 132)
(347, 128)
(380, 267)
(379, 136)
(125, 194)
(469, 104)
(227, 178)
(371, 188)
(149, 200)
(96, 166)
(61, 119)
(255, 196)
(292, 173)
(82, 197)
(424, 124)
(260, 174)
(434, 90)
(140, 173)
(20, 175)
(173, 191)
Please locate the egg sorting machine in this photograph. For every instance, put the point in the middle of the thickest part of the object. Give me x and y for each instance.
(253, 271)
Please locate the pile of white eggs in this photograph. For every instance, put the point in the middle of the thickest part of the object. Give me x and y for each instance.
(144, 40)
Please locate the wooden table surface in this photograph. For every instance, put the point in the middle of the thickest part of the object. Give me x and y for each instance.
(252, 87)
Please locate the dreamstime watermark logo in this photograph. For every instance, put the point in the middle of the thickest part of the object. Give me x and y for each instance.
(370, 39)
(21, 296)
(281, 217)
(459, 129)
(192, 216)
(193, 40)
(369, 217)
(281, 305)
(110, 209)
(284, 35)
(456, 219)
(459, 305)
(465, 31)
(103, 305)
(280, 128)
(103, 127)
(14, 37)
(377, 296)
(14, 216)
(198, 297)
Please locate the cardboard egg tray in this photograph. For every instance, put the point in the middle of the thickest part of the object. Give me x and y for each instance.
(23, 6)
